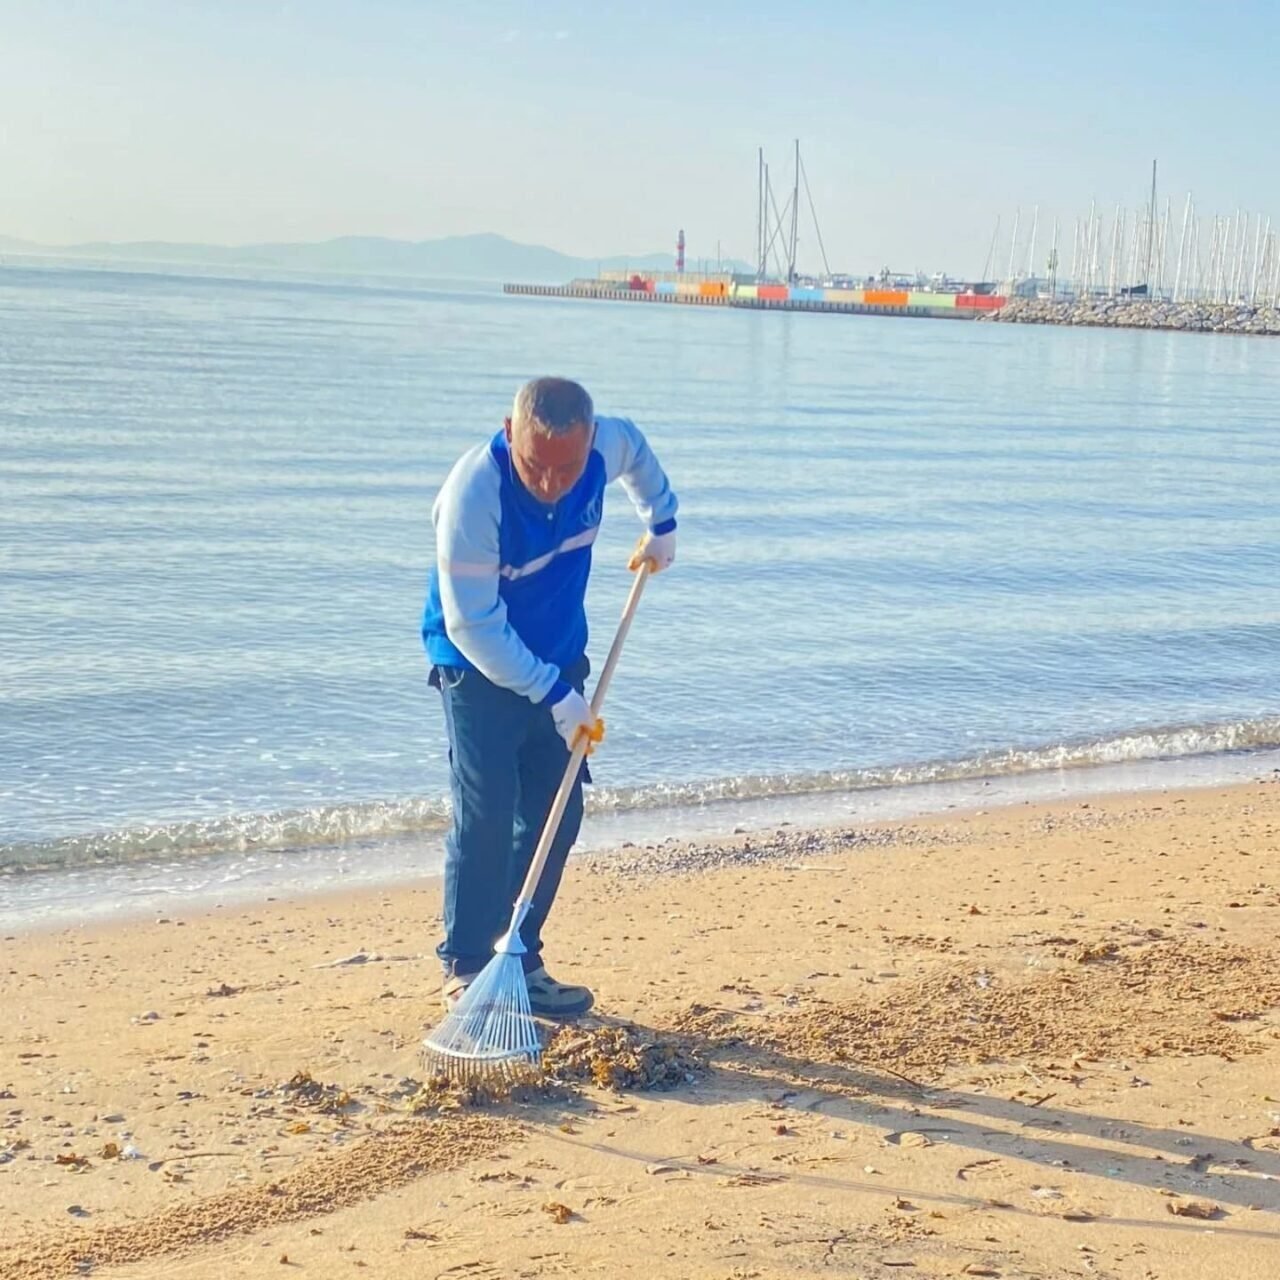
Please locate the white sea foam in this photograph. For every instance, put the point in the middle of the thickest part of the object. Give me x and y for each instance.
(342, 825)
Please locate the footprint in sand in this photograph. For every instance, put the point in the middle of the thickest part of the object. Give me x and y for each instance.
(594, 1192)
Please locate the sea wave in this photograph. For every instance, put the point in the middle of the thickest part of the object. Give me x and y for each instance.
(311, 827)
(373, 821)
(1164, 743)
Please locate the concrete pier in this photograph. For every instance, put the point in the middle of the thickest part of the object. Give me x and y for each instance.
(606, 293)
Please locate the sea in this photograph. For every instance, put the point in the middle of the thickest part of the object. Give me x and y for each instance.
(921, 565)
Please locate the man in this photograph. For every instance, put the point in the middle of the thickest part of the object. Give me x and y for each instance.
(505, 630)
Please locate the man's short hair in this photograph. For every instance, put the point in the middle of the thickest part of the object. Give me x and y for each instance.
(553, 406)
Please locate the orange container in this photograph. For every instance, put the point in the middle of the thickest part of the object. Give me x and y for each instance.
(886, 298)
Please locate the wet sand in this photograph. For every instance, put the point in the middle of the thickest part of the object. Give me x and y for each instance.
(1038, 1041)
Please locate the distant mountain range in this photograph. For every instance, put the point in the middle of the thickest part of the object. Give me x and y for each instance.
(476, 257)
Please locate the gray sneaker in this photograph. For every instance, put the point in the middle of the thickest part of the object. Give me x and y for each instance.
(453, 990)
(551, 999)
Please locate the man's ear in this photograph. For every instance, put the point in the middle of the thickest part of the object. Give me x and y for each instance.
(506, 428)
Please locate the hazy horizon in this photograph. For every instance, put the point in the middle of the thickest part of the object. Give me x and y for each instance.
(482, 256)
(481, 234)
(601, 133)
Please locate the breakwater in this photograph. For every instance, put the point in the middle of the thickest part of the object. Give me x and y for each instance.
(1142, 313)
(753, 296)
(614, 293)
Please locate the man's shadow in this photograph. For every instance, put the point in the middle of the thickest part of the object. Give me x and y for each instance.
(1221, 1170)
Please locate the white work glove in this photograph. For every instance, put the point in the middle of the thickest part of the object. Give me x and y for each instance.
(660, 548)
(572, 715)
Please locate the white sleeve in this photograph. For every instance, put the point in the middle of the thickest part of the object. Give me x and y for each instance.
(466, 516)
(627, 457)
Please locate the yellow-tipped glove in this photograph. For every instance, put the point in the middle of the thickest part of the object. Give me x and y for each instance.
(572, 716)
(658, 548)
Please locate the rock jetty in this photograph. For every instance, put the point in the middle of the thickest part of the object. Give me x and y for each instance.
(1139, 313)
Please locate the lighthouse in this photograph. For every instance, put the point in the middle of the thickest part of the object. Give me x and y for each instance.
(680, 252)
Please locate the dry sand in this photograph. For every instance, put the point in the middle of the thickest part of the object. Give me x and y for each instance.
(1041, 1041)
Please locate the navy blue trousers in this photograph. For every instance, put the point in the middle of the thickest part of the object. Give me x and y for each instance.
(506, 763)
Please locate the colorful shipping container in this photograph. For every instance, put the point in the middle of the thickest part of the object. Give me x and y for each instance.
(697, 287)
(886, 297)
(935, 301)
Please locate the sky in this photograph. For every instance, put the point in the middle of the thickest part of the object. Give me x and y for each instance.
(602, 128)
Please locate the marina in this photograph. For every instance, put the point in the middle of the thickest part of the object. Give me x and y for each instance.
(777, 284)
(1221, 279)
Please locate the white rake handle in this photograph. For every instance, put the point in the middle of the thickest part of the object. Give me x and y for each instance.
(578, 754)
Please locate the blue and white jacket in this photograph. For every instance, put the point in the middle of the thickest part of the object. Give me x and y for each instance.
(508, 590)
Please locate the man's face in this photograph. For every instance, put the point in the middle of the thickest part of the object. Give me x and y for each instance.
(548, 466)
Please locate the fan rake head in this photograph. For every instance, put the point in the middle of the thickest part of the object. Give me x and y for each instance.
(490, 1033)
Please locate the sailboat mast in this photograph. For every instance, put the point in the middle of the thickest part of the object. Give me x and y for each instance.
(761, 218)
(1257, 249)
(795, 219)
(1151, 227)
(1053, 264)
(1182, 251)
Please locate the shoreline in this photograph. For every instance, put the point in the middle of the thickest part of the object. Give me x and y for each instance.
(1018, 1038)
(46, 899)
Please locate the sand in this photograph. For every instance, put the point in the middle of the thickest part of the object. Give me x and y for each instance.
(1041, 1041)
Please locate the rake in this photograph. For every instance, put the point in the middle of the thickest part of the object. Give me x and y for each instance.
(491, 1030)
